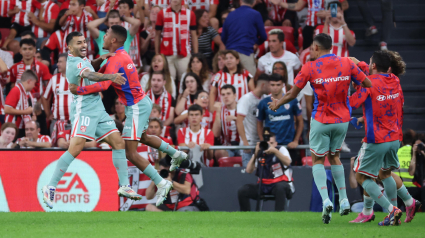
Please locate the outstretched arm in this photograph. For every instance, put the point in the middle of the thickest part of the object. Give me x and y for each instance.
(98, 77)
(89, 89)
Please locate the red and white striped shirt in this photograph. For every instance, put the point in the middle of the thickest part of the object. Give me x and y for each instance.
(239, 81)
(105, 6)
(165, 100)
(276, 13)
(26, 6)
(41, 138)
(160, 3)
(134, 46)
(200, 4)
(62, 97)
(207, 119)
(4, 8)
(1, 101)
(228, 128)
(305, 56)
(339, 44)
(314, 6)
(57, 40)
(74, 23)
(51, 11)
(19, 99)
(203, 136)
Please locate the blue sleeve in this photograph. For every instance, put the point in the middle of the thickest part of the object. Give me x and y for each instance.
(261, 115)
(259, 24)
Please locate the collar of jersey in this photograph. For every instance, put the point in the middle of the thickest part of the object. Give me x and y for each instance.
(121, 48)
(385, 75)
(327, 55)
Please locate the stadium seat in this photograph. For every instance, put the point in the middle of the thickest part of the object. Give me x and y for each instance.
(230, 162)
(288, 31)
(4, 33)
(308, 161)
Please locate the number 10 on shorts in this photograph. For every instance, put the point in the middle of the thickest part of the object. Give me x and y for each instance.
(85, 122)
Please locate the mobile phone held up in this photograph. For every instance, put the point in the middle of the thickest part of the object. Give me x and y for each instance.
(334, 9)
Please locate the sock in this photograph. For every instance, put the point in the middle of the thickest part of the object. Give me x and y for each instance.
(338, 175)
(367, 205)
(153, 174)
(405, 196)
(61, 167)
(166, 148)
(375, 192)
(120, 163)
(390, 188)
(319, 175)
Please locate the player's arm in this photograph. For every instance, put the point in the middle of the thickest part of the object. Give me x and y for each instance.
(93, 27)
(358, 98)
(98, 77)
(135, 25)
(96, 63)
(89, 89)
(358, 76)
(352, 178)
(289, 96)
(298, 6)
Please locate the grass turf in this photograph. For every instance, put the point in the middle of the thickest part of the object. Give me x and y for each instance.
(200, 224)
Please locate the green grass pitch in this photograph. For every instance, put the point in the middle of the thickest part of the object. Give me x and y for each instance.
(200, 224)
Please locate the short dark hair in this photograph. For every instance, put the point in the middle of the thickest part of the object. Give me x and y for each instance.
(25, 33)
(128, 2)
(113, 14)
(27, 42)
(382, 60)
(250, 2)
(323, 40)
(196, 77)
(334, 2)
(276, 77)
(279, 33)
(228, 86)
(409, 137)
(65, 55)
(155, 119)
(71, 36)
(199, 92)
(194, 108)
(263, 77)
(28, 74)
(120, 32)
(81, 2)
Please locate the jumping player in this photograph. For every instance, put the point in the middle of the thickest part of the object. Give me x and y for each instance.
(90, 120)
(330, 77)
(138, 108)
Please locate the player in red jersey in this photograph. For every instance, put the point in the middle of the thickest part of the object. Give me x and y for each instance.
(138, 109)
(330, 78)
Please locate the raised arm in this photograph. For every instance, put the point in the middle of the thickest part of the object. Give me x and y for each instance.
(298, 6)
(93, 27)
(135, 25)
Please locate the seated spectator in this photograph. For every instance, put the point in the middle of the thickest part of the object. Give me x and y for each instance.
(19, 102)
(119, 109)
(207, 35)
(147, 38)
(156, 127)
(234, 74)
(184, 192)
(277, 177)
(157, 92)
(63, 140)
(6, 56)
(17, 56)
(225, 122)
(218, 61)
(156, 113)
(264, 48)
(195, 134)
(207, 117)
(210, 7)
(32, 138)
(177, 53)
(8, 134)
(43, 21)
(342, 36)
(191, 85)
(199, 66)
(159, 64)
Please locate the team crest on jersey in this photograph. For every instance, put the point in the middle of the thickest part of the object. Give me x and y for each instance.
(165, 43)
(130, 66)
(287, 106)
(318, 81)
(80, 65)
(83, 129)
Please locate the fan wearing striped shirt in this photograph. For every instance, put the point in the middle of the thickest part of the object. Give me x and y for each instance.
(201, 99)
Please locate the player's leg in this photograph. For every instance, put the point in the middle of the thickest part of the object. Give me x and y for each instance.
(412, 205)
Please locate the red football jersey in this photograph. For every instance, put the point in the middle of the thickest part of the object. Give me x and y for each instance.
(203, 136)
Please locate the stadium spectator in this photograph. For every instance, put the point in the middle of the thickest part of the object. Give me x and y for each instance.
(279, 16)
(210, 7)
(159, 64)
(17, 56)
(264, 48)
(342, 36)
(195, 134)
(58, 93)
(5, 56)
(207, 35)
(156, 128)
(156, 113)
(147, 38)
(8, 134)
(225, 122)
(19, 102)
(176, 49)
(4, 79)
(163, 4)
(234, 74)
(218, 61)
(277, 177)
(201, 99)
(119, 111)
(55, 42)
(243, 29)
(416, 169)
(158, 93)
(199, 66)
(64, 136)
(184, 191)
(32, 138)
(246, 121)
(43, 21)
(191, 85)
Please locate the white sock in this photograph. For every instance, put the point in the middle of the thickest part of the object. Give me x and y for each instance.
(162, 183)
(409, 202)
(367, 205)
(390, 208)
(176, 155)
(367, 211)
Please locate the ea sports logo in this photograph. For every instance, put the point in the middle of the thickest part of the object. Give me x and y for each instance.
(381, 98)
(318, 81)
(78, 190)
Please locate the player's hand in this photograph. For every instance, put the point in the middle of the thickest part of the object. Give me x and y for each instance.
(73, 88)
(356, 61)
(118, 79)
(274, 104)
(292, 145)
(106, 56)
(28, 111)
(360, 120)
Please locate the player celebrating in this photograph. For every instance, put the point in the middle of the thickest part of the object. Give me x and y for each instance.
(138, 108)
(330, 76)
(90, 119)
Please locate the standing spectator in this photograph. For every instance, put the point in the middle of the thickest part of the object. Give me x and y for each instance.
(195, 134)
(279, 16)
(4, 79)
(218, 61)
(30, 63)
(64, 137)
(19, 101)
(208, 6)
(32, 138)
(207, 35)
(62, 98)
(191, 85)
(246, 121)
(207, 116)
(8, 134)
(159, 64)
(56, 41)
(342, 36)
(199, 66)
(44, 20)
(234, 74)
(159, 95)
(179, 27)
(243, 29)
(147, 38)
(225, 122)
(6, 56)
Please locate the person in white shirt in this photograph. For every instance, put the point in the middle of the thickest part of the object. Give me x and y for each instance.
(246, 120)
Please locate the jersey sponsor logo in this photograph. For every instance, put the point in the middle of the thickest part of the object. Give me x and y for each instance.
(342, 78)
(83, 129)
(387, 97)
(80, 65)
(318, 81)
(78, 190)
(279, 118)
(380, 98)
